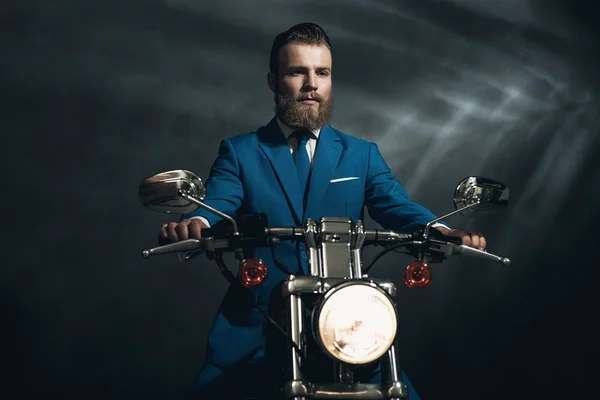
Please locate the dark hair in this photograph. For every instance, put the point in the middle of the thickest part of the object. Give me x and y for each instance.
(304, 33)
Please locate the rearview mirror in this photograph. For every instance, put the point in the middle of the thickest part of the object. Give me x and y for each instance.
(480, 195)
(160, 192)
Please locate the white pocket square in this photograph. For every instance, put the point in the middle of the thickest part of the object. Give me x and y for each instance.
(350, 178)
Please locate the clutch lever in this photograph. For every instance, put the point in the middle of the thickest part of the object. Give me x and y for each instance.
(190, 247)
(177, 247)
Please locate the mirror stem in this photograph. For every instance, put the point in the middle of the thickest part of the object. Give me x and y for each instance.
(194, 200)
(428, 226)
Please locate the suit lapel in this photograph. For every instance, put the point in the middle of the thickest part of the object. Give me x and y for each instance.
(326, 158)
(273, 144)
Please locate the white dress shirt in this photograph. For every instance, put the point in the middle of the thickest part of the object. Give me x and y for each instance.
(311, 143)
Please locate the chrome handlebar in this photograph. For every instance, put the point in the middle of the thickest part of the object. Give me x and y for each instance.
(372, 236)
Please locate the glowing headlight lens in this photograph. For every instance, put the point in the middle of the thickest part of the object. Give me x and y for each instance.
(357, 324)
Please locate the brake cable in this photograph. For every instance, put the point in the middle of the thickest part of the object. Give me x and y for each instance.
(383, 253)
(226, 272)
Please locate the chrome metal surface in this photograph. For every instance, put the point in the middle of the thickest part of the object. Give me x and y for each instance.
(489, 195)
(461, 210)
(286, 232)
(296, 388)
(188, 247)
(392, 366)
(333, 241)
(296, 285)
(356, 246)
(484, 255)
(199, 203)
(181, 246)
(160, 192)
(295, 308)
(381, 236)
(354, 391)
(310, 237)
(300, 323)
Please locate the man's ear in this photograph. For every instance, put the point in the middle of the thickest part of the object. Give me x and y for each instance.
(272, 81)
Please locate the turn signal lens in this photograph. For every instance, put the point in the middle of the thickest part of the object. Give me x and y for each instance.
(252, 273)
(417, 274)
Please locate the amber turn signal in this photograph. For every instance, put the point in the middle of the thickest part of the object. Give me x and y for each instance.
(252, 273)
(417, 274)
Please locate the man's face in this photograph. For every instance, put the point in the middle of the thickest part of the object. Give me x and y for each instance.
(303, 86)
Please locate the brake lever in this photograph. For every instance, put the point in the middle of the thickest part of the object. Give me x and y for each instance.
(473, 252)
(451, 249)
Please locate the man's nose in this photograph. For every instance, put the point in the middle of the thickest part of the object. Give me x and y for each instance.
(311, 81)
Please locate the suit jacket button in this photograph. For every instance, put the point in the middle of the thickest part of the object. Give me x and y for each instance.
(303, 254)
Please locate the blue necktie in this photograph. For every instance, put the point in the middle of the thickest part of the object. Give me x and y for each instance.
(302, 160)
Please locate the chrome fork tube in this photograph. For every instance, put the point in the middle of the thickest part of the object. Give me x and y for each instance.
(296, 330)
(392, 373)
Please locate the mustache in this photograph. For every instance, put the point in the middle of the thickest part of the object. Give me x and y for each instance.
(315, 97)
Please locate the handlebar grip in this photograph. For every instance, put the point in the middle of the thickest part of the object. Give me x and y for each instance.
(208, 232)
(451, 239)
(379, 236)
(434, 233)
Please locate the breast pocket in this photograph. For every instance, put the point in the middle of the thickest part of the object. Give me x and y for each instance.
(345, 196)
(345, 184)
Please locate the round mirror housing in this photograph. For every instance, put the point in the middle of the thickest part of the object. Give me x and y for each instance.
(481, 195)
(161, 192)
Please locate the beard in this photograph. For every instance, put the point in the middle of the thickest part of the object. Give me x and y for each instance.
(292, 112)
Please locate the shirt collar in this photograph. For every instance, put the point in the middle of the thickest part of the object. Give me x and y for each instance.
(288, 130)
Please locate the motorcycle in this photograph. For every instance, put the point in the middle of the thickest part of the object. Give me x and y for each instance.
(336, 315)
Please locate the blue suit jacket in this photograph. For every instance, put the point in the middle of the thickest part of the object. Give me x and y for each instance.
(255, 173)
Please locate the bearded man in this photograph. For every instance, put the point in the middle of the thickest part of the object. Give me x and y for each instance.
(295, 167)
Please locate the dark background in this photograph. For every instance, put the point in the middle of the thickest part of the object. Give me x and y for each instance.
(98, 95)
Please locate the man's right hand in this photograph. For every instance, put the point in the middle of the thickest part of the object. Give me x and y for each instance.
(176, 231)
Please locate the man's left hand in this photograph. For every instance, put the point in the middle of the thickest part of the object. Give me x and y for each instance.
(468, 238)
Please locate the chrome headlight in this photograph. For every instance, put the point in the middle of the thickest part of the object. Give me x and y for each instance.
(356, 322)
